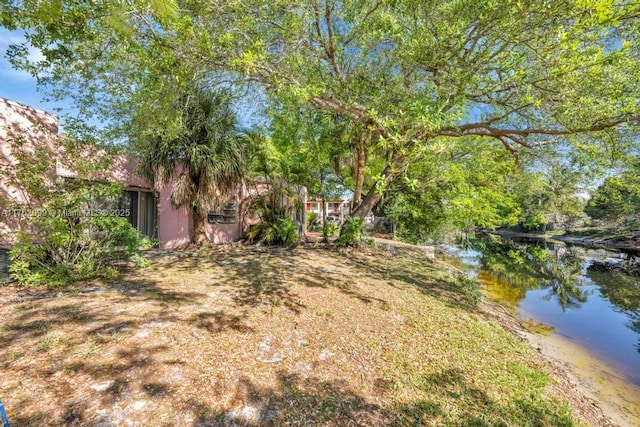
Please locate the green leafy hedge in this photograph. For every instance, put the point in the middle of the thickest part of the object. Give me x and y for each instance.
(281, 231)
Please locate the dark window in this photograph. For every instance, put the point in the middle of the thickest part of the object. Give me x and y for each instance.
(142, 210)
(129, 204)
(148, 208)
(226, 215)
(4, 265)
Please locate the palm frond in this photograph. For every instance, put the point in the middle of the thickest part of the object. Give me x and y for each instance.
(183, 191)
(206, 162)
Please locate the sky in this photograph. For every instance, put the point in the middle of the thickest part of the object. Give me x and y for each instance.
(18, 85)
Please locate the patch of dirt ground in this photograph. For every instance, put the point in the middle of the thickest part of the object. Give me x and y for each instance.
(240, 335)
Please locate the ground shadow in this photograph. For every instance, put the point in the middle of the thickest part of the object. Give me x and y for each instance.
(474, 407)
(313, 401)
(293, 401)
(249, 280)
(422, 273)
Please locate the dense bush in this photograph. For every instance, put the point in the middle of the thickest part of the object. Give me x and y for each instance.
(329, 229)
(68, 230)
(419, 215)
(535, 221)
(351, 234)
(281, 231)
(616, 199)
(632, 223)
(313, 222)
(59, 250)
(276, 208)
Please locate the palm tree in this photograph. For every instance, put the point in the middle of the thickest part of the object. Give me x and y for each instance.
(205, 163)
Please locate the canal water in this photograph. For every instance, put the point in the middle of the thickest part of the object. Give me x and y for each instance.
(564, 292)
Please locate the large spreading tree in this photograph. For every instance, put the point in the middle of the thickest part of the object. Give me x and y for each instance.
(408, 75)
(413, 74)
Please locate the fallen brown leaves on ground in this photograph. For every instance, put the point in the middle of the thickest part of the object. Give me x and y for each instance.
(242, 335)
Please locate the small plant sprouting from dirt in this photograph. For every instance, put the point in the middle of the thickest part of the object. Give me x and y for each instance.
(52, 339)
(86, 349)
(113, 336)
(276, 301)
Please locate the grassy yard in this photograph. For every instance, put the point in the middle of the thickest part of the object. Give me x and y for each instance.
(249, 336)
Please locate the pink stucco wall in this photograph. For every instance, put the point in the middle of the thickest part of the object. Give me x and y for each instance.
(223, 233)
(175, 226)
(36, 131)
(227, 233)
(33, 132)
(122, 170)
(39, 130)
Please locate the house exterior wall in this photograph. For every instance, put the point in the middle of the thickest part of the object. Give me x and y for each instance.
(227, 233)
(39, 131)
(122, 171)
(175, 226)
(30, 131)
(339, 207)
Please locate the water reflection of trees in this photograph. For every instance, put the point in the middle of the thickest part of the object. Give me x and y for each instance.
(623, 292)
(528, 266)
(510, 268)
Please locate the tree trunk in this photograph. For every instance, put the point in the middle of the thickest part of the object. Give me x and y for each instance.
(199, 236)
(323, 209)
(361, 156)
(368, 203)
(304, 211)
(390, 173)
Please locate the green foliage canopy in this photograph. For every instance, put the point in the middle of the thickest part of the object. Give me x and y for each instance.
(616, 199)
(409, 76)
